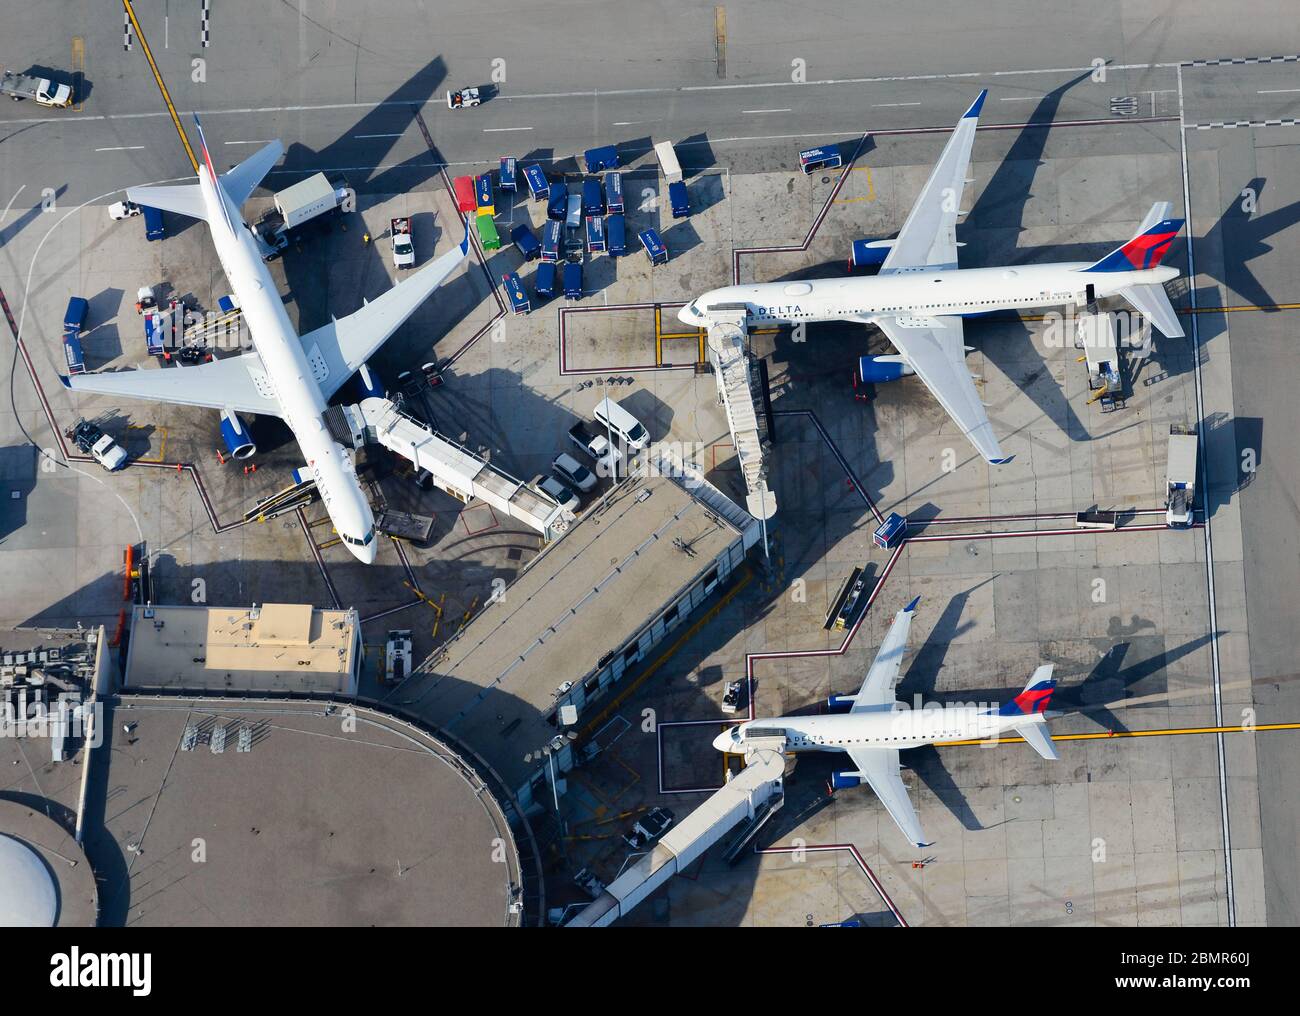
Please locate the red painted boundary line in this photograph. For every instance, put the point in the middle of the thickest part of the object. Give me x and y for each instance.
(320, 560)
(827, 848)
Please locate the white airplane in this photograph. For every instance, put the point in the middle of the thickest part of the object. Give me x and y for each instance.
(920, 295)
(876, 727)
(285, 375)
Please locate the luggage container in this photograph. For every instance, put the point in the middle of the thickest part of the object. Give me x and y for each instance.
(74, 318)
(557, 204)
(615, 236)
(483, 194)
(228, 304)
(599, 159)
(654, 246)
(487, 233)
(679, 200)
(536, 179)
(544, 280)
(153, 223)
(593, 199)
(825, 157)
(465, 199)
(890, 531)
(506, 175)
(613, 194)
(552, 241)
(595, 235)
(515, 290)
(72, 353)
(572, 281)
(522, 237)
(157, 332)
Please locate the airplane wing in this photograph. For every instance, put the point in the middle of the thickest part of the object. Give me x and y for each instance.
(878, 686)
(879, 767)
(237, 382)
(928, 239)
(336, 350)
(934, 348)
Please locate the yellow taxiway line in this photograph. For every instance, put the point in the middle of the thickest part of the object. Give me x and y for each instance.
(162, 87)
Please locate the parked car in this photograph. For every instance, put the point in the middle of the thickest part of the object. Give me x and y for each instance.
(648, 828)
(560, 491)
(568, 468)
(589, 883)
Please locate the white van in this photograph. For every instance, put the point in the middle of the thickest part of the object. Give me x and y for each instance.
(625, 426)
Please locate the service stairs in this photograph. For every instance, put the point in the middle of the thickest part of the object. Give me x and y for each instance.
(729, 355)
(454, 468)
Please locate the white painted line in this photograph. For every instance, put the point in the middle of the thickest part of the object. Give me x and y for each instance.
(632, 123)
(766, 111)
(504, 130)
(246, 142)
(883, 105)
(124, 148)
(1276, 91)
(1021, 98)
(376, 135)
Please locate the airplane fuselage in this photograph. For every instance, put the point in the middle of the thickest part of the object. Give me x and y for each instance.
(289, 373)
(921, 293)
(882, 727)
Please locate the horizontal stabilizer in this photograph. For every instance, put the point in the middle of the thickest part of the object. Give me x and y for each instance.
(1037, 737)
(183, 199)
(1152, 302)
(241, 181)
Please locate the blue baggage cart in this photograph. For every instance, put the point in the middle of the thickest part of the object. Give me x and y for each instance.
(157, 328)
(506, 177)
(890, 531)
(679, 199)
(615, 236)
(227, 304)
(515, 290)
(558, 204)
(537, 184)
(544, 280)
(552, 241)
(654, 246)
(593, 199)
(599, 159)
(483, 194)
(153, 223)
(595, 235)
(613, 194)
(72, 353)
(74, 318)
(572, 281)
(522, 237)
(824, 157)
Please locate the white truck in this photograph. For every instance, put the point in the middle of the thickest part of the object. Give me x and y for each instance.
(43, 90)
(298, 205)
(403, 246)
(94, 442)
(1180, 494)
(597, 446)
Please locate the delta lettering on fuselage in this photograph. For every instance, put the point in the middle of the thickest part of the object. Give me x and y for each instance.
(776, 313)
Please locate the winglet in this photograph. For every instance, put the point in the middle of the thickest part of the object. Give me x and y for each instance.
(67, 381)
(975, 106)
(1002, 461)
(464, 244)
(911, 606)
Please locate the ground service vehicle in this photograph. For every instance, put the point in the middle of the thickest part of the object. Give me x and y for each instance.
(403, 247)
(94, 442)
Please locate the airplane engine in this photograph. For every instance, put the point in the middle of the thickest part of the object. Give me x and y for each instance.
(841, 780)
(839, 703)
(877, 369)
(239, 442)
(368, 384)
(866, 253)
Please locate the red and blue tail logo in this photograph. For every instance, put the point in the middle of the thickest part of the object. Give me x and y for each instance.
(1145, 250)
(1032, 700)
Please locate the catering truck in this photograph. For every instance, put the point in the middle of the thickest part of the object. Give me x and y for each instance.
(672, 171)
(304, 202)
(1180, 493)
(43, 90)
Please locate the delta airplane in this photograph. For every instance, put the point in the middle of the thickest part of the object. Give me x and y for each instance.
(875, 727)
(283, 375)
(920, 295)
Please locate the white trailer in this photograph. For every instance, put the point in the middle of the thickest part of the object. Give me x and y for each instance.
(307, 199)
(1181, 489)
(668, 164)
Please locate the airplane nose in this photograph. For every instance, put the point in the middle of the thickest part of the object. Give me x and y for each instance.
(687, 316)
(723, 741)
(366, 554)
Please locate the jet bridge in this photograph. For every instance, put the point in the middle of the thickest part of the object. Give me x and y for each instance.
(455, 469)
(729, 355)
(749, 798)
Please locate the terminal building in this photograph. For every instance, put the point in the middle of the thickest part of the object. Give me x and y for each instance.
(525, 676)
(275, 648)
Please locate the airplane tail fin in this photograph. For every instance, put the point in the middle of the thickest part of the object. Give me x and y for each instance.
(1154, 238)
(1037, 693)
